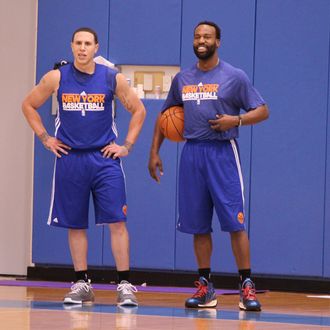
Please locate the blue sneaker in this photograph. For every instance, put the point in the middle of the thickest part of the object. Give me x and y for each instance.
(248, 300)
(205, 296)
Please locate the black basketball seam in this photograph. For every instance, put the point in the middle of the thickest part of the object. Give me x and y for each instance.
(164, 120)
(176, 111)
(175, 126)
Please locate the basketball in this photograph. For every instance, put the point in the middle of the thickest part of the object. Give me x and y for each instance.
(172, 123)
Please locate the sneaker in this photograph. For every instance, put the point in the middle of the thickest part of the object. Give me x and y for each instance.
(126, 295)
(248, 300)
(81, 293)
(205, 295)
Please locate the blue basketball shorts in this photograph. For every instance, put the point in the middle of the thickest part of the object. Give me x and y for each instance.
(210, 178)
(76, 176)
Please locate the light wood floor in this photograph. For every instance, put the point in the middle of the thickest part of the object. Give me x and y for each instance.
(41, 308)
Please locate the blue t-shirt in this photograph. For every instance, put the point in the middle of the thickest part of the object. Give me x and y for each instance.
(204, 94)
(85, 119)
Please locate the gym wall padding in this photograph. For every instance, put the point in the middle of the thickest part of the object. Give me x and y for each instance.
(283, 46)
(326, 229)
(147, 29)
(289, 151)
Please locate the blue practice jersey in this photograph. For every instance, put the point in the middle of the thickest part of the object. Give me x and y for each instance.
(85, 119)
(205, 94)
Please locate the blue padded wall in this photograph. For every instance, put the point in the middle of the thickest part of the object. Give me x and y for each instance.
(151, 206)
(56, 22)
(284, 48)
(288, 154)
(326, 247)
(145, 32)
(237, 47)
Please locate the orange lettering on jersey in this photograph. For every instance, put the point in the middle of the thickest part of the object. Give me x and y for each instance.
(70, 98)
(96, 98)
(93, 98)
(208, 88)
(101, 98)
(90, 98)
(189, 89)
(214, 88)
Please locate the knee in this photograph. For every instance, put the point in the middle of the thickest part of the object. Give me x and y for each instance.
(238, 234)
(118, 228)
(202, 237)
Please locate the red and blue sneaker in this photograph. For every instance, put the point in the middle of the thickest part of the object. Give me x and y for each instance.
(205, 296)
(248, 300)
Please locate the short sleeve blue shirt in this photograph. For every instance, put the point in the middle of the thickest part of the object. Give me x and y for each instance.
(205, 94)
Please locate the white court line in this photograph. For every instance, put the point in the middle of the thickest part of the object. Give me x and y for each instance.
(325, 297)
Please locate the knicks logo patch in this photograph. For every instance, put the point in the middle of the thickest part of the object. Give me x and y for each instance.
(124, 209)
(240, 217)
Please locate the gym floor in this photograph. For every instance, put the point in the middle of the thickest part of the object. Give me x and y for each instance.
(38, 305)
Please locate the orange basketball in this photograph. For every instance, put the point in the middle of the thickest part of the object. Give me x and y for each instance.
(172, 123)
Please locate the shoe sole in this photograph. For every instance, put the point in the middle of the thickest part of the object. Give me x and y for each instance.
(77, 302)
(251, 309)
(211, 304)
(127, 302)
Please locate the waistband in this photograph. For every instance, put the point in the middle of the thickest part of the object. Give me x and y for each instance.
(196, 141)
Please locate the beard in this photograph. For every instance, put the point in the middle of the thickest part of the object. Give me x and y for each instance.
(210, 50)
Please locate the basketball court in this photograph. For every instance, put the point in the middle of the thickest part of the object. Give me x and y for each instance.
(34, 305)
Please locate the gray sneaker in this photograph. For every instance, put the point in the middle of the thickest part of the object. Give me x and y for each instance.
(81, 292)
(126, 295)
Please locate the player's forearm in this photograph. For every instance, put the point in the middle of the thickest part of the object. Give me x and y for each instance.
(157, 139)
(255, 116)
(34, 120)
(135, 125)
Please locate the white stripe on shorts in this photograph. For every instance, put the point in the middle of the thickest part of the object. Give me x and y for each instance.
(122, 169)
(52, 196)
(239, 169)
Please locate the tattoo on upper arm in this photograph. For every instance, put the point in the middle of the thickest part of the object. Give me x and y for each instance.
(126, 103)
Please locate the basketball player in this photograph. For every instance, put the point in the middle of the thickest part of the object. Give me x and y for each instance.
(212, 93)
(88, 159)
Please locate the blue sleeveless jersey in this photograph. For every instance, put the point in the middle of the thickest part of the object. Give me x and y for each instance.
(85, 118)
(205, 94)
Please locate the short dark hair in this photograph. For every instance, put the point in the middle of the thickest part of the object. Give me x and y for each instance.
(217, 28)
(86, 29)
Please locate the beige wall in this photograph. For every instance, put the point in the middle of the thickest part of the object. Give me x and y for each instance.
(18, 21)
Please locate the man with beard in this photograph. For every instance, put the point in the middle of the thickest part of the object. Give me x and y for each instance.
(212, 93)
